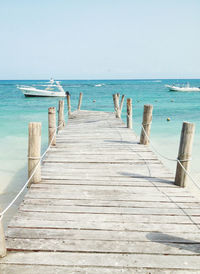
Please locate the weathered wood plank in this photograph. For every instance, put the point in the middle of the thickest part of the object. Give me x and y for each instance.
(24, 222)
(108, 190)
(118, 218)
(110, 210)
(120, 188)
(37, 193)
(135, 236)
(112, 203)
(133, 182)
(38, 269)
(156, 181)
(97, 246)
(106, 260)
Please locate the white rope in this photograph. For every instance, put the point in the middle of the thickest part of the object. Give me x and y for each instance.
(174, 160)
(146, 124)
(169, 159)
(188, 174)
(33, 173)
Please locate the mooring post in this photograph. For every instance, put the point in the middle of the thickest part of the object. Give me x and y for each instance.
(121, 103)
(116, 105)
(146, 124)
(118, 95)
(184, 154)
(80, 100)
(129, 113)
(34, 147)
(61, 119)
(52, 125)
(114, 101)
(2, 241)
(69, 104)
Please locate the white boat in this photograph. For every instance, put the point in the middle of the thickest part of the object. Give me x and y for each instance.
(53, 89)
(183, 88)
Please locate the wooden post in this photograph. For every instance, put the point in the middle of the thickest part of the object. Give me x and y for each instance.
(80, 100)
(147, 119)
(184, 154)
(116, 105)
(34, 146)
(129, 113)
(61, 119)
(121, 103)
(52, 125)
(118, 97)
(2, 241)
(114, 102)
(69, 104)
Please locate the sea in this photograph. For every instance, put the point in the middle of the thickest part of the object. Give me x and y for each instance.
(16, 111)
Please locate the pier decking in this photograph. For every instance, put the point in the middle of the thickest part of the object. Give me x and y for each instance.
(105, 204)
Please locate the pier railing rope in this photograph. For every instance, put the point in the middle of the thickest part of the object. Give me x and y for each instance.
(185, 146)
(163, 156)
(32, 174)
(173, 160)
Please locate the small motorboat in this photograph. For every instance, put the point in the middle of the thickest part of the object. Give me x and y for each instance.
(182, 88)
(53, 89)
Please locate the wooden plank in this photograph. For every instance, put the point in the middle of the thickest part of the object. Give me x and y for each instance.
(110, 168)
(101, 162)
(95, 145)
(103, 157)
(107, 203)
(98, 149)
(38, 269)
(125, 189)
(109, 190)
(26, 222)
(62, 159)
(99, 246)
(85, 174)
(110, 210)
(118, 218)
(139, 170)
(36, 193)
(134, 236)
(133, 182)
(155, 181)
(106, 260)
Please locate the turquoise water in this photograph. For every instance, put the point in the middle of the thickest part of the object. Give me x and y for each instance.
(16, 112)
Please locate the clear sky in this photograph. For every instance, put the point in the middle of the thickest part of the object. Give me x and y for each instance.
(99, 39)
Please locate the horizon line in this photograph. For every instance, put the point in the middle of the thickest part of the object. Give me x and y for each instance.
(99, 79)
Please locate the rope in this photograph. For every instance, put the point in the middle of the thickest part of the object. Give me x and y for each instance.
(146, 124)
(188, 174)
(160, 189)
(174, 160)
(33, 173)
(169, 159)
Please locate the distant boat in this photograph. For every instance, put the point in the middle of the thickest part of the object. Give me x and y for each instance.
(183, 88)
(99, 85)
(30, 91)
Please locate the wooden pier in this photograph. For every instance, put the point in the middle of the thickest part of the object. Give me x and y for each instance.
(105, 204)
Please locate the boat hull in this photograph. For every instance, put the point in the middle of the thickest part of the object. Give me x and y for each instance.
(32, 95)
(32, 92)
(183, 89)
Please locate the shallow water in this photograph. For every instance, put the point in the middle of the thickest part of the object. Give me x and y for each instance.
(16, 112)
